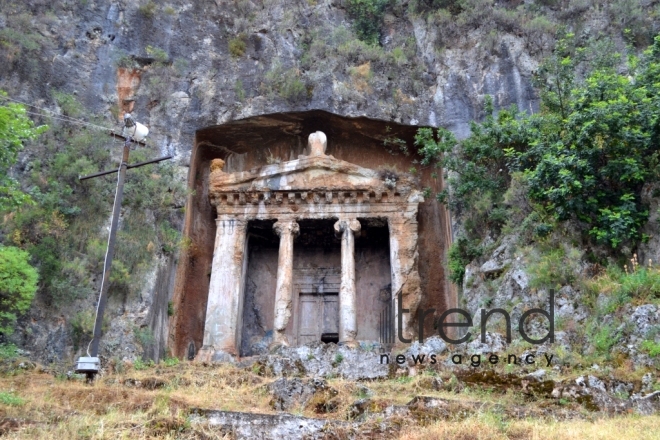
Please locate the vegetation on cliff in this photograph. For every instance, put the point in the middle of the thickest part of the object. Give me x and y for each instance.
(584, 158)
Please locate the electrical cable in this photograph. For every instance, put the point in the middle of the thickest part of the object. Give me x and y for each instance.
(59, 117)
(62, 118)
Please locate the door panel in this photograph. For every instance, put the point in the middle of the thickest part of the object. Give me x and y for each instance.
(330, 314)
(308, 315)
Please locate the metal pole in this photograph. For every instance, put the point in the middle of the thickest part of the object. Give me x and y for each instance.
(103, 298)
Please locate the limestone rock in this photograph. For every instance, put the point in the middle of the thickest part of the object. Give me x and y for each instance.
(289, 393)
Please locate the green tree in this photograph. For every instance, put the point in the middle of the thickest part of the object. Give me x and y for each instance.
(588, 154)
(367, 18)
(15, 129)
(18, 284)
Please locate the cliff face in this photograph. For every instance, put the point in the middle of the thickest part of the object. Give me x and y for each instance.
(181, 66)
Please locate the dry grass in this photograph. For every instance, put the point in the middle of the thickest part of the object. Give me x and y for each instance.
(489, 427)
(156, 403)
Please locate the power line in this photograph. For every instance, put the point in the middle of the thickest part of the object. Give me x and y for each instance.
(62, 118)
(49, 114)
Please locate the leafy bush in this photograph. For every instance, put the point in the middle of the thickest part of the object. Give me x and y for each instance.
(459, 255)
(367, 18)
(584, 157)
(610, 117)
(15, 129)
(18, 284)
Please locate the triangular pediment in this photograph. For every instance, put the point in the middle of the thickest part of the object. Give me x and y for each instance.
(309, 173)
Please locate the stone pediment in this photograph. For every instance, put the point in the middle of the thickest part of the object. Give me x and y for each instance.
(304, 173)
(318, 174)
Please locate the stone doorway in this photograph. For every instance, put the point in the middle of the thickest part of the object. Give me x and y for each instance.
(317, 317)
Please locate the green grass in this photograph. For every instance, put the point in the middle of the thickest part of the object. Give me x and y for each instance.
(10, 399)
(651, 347)
(8, 351)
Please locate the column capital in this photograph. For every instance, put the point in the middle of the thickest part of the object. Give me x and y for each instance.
(344, 224)
(228, 225)
(286, 227)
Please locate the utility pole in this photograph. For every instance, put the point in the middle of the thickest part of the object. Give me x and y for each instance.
(134, 133)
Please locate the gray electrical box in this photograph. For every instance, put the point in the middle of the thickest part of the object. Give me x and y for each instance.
(88, 365)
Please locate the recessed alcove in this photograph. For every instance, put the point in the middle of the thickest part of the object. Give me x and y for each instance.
(251, 144)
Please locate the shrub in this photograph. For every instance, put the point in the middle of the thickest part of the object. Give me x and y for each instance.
(239, 90)
(554, 267)
(61, 230)
(68, 103)
(18, 284)
(15, 129)
(8, 351)
(286, 83)
(603, 337)
(238, 45)
(157, 53)
(638, 283)
(171, 361)
(148, 9)
(651, 347)
(367, 18)
(459, 255)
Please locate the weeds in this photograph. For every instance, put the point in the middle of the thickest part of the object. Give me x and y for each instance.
(10, 399)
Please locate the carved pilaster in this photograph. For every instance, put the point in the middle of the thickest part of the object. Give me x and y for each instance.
(225, 302)
(405, 276)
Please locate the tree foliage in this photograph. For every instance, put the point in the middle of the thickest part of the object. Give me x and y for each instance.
(18, 284)
(64, 230)
(367, 18)
(584, 157)
(588, 157)
(15, 129)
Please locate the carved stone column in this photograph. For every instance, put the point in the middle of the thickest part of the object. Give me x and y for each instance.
(405, 277)
(224, 308)
(347, 294)
(287, 230)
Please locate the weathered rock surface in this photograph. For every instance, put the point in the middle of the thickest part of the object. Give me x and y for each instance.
(265, 426)
(290, 392)
(172, 67)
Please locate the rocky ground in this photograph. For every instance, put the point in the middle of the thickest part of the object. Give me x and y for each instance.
(325, 391)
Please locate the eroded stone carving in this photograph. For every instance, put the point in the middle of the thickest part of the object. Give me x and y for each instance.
(317, 143)
(287, 230)
(314, 187)
(347, 294)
